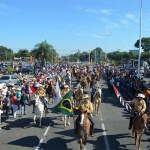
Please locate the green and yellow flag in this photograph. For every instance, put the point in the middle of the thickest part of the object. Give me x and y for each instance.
(64, 106)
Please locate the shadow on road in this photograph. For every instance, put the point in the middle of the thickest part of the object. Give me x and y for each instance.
(113, 139)
(56, 144)
(30, 141)
(25, 123)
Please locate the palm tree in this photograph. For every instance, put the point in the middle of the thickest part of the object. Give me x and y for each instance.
(44, 52)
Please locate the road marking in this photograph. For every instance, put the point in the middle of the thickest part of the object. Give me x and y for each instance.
(104, 133)
(105, 137)
(43, 137)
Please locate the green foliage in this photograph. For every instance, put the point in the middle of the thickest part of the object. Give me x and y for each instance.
(84, 56)
(44, 52)
(22, 53)
(145, 56)
(145, 44)
(5, 53)
(10, 69)
(118, 57)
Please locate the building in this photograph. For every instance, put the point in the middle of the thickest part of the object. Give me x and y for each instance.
(135, 51)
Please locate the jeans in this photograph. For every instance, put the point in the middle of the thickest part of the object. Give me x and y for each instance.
(23, 109)
(15, 108)
(45, 102)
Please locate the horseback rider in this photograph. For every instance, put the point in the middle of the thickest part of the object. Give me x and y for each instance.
(41, 92)
(85, 107)
(139, 106)
(65, 90)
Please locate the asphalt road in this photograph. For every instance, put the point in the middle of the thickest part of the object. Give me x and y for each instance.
(111, 130)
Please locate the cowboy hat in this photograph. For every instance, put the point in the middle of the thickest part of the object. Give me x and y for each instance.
(40, 85)
(66, 86)
(85, 96)
(141, 95)
(18, 89)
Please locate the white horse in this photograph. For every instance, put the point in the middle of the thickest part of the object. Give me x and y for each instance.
(97, 100)
(66, 120)
(39, 107)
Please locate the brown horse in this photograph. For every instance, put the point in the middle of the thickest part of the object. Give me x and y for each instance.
(83, 83)
(89, 80)
(84, 130)
(50, 90)
(78, 96)
(138, 129)
(97, 100)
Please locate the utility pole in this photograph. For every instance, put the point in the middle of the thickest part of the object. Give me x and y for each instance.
(95, 56)
(139, 56)
(89, 58)
(78, 55)
(105, 35)
(6, 55)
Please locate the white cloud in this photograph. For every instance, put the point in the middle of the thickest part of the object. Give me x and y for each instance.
(109, 22)
(6, 7)
(130, 16)
(96, 11)
(124, 21)
(106, 11)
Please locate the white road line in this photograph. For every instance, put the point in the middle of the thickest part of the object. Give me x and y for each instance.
(104, 133)
(43, 137)
(105, 137)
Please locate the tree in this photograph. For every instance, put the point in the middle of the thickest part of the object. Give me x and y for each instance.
(44, 52)
(145, 56)
(145, 44)
(5, 53)
(100, 55)
(22, 53)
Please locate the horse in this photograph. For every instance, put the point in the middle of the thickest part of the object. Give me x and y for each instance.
(97, 100)
(39, 107)
(89, 80)
(50, 90)
(78, 96)
(83, 83)
(138, 129)
(83, 131)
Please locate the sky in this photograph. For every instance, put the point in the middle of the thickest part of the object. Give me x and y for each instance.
(70, 25)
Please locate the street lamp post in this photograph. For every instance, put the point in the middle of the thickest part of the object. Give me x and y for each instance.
(89, 58)
(139, 56)
(105, 35)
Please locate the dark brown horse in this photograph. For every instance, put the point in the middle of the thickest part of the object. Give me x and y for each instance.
(50, 90)
(84, 130)
(83, 83)
(138, 127)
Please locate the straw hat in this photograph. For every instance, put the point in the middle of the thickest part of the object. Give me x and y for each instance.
(141, 95)
(66, 86)
(85, 96)
(18, 89)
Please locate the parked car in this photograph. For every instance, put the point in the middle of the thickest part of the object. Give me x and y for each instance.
(8, 79)
(27, 69)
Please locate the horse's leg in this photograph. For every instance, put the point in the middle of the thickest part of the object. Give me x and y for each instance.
(41, 118)
(135, 138)
(65, 117)
(98, 106)
(35, 114)
(68, 120)
(62, 118)
(80, 140)
(139, 145)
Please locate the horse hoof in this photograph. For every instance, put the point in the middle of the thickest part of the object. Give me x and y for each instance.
(68, 124)
(64, 126)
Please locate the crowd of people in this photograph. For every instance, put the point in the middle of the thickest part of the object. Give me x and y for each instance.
(128, 82)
